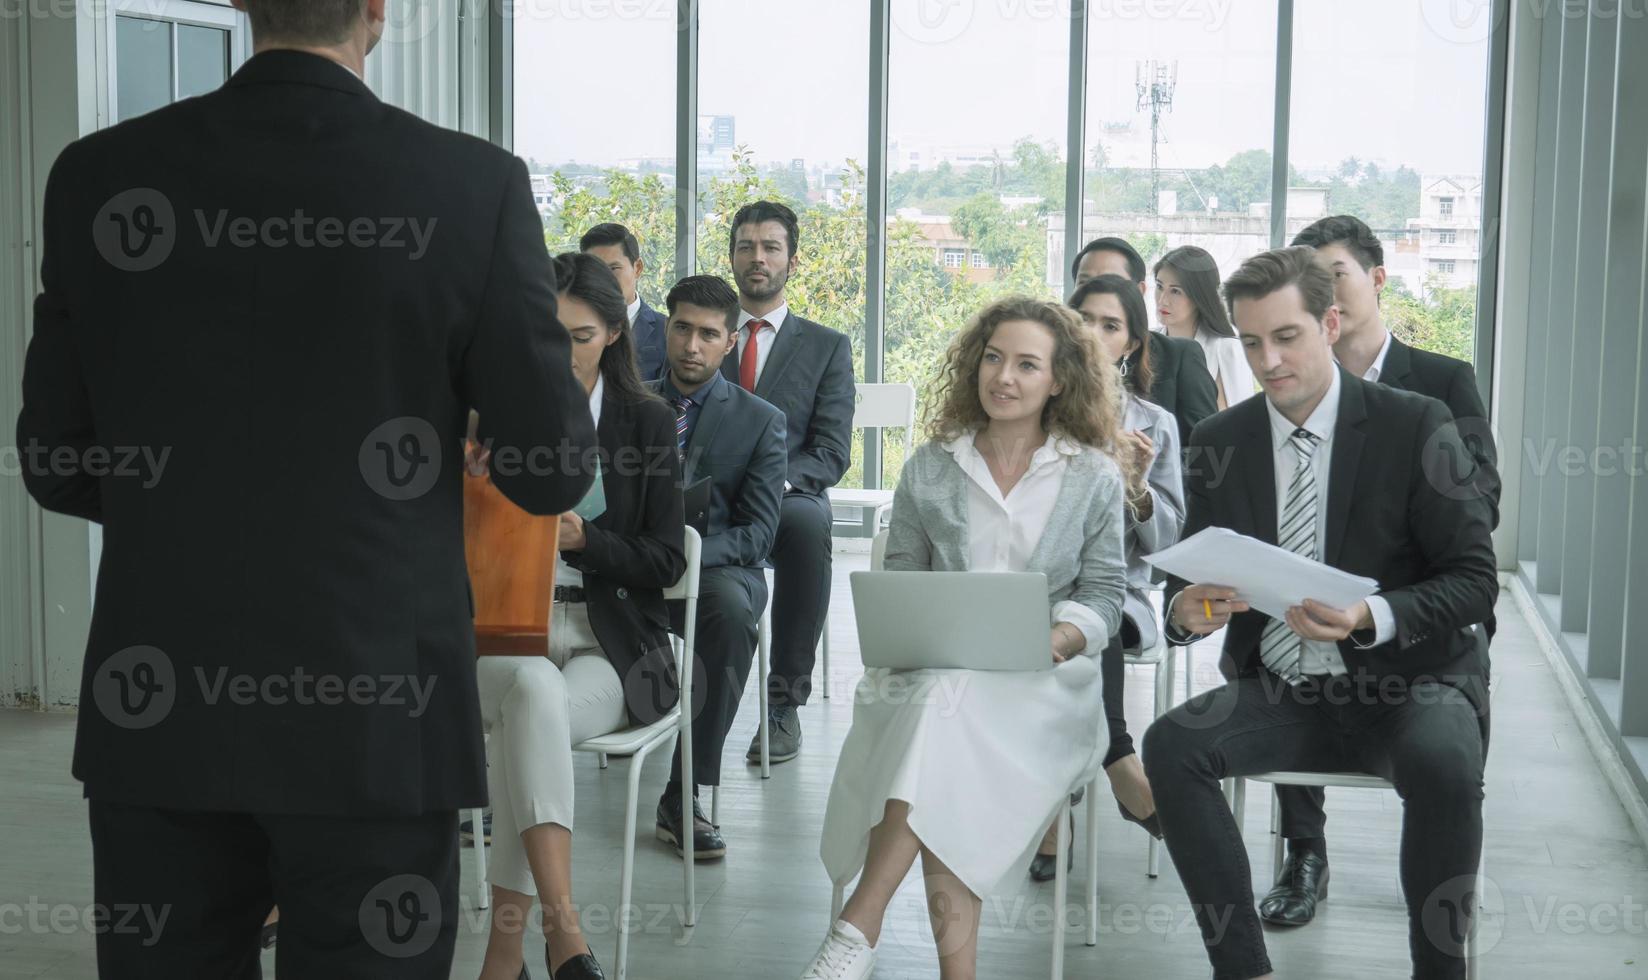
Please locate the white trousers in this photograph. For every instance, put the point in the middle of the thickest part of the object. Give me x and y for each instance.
(535, 709)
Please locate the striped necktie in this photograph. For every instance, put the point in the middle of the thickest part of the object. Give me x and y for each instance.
(681, 405)
(1281, 649)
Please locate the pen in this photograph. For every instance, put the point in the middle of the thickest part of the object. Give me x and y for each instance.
(1207, 609)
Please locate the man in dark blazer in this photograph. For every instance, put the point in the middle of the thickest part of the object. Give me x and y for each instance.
(279, 295)
(1182, 383)
(806, 371)
(616, 245)
(1361, 477)
(737, 441)
(1368, 350)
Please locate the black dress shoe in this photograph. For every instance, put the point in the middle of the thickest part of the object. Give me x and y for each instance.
(707, 842)
(581, 967)
(1151, 823)
(1045, 867)
(1301, 885)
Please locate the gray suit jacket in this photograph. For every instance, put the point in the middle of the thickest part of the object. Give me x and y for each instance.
(1080, 552)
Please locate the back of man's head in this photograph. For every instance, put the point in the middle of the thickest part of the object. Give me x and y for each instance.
(318, 23)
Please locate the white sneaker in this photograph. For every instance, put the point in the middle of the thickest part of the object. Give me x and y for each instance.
(845, 955)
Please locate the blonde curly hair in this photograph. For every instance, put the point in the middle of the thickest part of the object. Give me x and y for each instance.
(1088, 409)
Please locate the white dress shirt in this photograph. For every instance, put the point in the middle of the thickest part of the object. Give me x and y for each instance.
(1319, 657)
(769, 334)
(565, 574)
(634, 309)
(1378, 367)
(1002, 532)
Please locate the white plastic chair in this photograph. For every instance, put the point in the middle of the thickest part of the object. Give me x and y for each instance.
(1350, 780)
(878, 406)
(638, 742)
(763, 645)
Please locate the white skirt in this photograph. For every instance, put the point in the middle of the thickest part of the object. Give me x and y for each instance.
(984, 759)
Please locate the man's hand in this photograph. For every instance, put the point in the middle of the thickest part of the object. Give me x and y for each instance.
(1203, 609)
(572, 532)
(475, 458)
(1319, 621)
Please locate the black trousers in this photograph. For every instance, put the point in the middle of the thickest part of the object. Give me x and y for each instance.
(1426, 740)
(186, 893)
(730, 600)
(1303, 815)
(801, 560)
(1113, 670)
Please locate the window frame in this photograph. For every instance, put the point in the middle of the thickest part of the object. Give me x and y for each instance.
(173, 13)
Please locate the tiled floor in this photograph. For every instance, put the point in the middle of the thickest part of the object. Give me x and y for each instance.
(1570, 874)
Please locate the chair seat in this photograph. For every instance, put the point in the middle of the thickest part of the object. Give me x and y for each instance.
(860, 498)
(1353, 780)
(628, 741)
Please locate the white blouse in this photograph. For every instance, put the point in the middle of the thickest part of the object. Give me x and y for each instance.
(1002, 532)
(1227, 363)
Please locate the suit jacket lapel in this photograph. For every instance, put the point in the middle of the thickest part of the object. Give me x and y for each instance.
(703, 434)
(1398, 368)
(1258, 458)
(778, 360)
(1348, 440)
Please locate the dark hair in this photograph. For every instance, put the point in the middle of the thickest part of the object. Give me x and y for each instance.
(1135, 261)
(611, 233)
(709, 292)
(1199, 278)
(1351, 232)
(1140, 373)
(1267, 272)
(311, 21)
(587, 278)
(754, 214)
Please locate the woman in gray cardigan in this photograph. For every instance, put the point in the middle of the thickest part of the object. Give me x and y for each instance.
(966, 768)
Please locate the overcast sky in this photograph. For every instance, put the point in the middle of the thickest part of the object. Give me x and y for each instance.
(1396, 81)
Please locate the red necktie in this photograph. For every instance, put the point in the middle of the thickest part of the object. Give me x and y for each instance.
(746, 364)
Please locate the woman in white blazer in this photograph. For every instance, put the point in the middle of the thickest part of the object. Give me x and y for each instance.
(1018, 475)
(1188, 306)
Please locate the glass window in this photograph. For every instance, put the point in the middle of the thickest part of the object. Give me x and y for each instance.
(202, 59)
(788, 122)
(595, 121)
(143, 66)
(1415, 165)
(1180, 121)
(970, 169)
(979, 261)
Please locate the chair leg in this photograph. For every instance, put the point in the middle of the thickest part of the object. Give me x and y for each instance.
(1093, 862)
(715, 807)
(485, 893)
(1236, 793)
(1061, 888)
(627, 882)
(764, 644)
(1164, 692)
(824, 646)
(602, 758)
(1190, 672)
(1276, 832)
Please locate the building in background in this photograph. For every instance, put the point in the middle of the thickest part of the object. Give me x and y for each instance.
(1449, 230)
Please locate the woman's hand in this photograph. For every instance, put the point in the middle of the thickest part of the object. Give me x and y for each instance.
(1067, 642)
(572, 532)
(1143, 451)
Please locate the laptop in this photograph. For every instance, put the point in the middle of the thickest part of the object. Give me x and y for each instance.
(969, 620)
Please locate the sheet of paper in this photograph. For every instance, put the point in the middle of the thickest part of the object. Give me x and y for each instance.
(1268, 578)
(594, 503)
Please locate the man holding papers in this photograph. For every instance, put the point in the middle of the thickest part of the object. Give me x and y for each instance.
(1358, 477)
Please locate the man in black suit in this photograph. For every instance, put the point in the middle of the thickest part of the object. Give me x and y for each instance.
(278, 294)
(615, 245)
(737, 440)
(1182, 383)
(806, 371)
(1361, 477)
(1368, 350)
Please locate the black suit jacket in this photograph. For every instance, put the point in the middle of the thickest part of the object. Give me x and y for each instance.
(1180, 381)
(738, 442)
(634, 550)
(649, 342)
(809, 377)
(1453, 383)
(308, 520)
(1398, 512)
